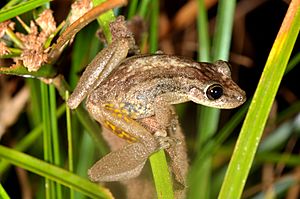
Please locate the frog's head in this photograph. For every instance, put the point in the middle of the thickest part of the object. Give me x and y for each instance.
(217, 89)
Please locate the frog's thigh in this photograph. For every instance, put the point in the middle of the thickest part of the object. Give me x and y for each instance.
(128, 161)
(127, 128)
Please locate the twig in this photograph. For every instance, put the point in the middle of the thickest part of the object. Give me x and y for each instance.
(79, 24)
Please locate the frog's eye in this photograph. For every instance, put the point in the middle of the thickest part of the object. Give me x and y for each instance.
(214, 91)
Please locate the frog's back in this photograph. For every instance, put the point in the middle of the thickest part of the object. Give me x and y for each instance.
(140, 73)
(139, 80)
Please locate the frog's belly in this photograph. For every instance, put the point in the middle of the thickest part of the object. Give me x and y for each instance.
(134, 111)
(135, 101)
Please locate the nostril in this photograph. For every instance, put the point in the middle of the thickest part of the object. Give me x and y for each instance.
(240, 98)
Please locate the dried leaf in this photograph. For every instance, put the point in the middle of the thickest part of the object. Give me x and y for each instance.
(79, 8)
(4, 50)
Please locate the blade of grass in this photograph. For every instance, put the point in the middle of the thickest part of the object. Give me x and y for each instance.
(160, 171)
(81, 44)
(35, 102)
(70, 142)
(143, 8)
(10, 4)
(55, 135)
(104, 20)
(153, 35)
(54, 173)
(260, 107)
(212, 146)
(203, 55)
(29, 139)
(203, 36)
(46, 70)
(86, 154)
(3, 193)
(287, 159)
(277, 138)
(20, 9)
(89, 124)
(79, 61)
(209, 117)
(46, 135)
(278, 187)
(293, 62)
(222, 37)
(161, 175)
(291, 110)
(132, 8)
(93, 128)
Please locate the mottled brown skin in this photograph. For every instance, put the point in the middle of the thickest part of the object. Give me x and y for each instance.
(123, 93)
(140, 80)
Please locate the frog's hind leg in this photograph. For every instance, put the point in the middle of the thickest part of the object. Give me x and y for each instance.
(104, 62)
(128, 161)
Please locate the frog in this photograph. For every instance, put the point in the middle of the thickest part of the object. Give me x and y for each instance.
(124, 94)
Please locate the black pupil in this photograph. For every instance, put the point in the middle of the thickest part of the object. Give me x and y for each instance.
(214, 92)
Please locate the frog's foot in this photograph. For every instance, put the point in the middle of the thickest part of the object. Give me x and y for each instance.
(167, 142)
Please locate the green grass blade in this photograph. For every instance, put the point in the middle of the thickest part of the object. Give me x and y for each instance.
(203, 36)
(209, 117)
(278, 187)
(46, 135)
(46, 70)
(143, 8)
(162, 179)
(55, 135)
(29, 139)
(34, 112)
(261, 104)
(83, 158)
(86, 154)
(159, 165)
(90, 47)
(203, 55)
(70, 142)
(3, 193)
(10, 4)
(20, 9)
(153, 35)
(54, 173)
(278, 158)
(104, 20)
(212, 146)
(132, 8)
(222, 37)
(289, 112)
(293, 62)
(93, 128)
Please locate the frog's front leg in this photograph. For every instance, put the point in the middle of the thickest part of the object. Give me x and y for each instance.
(128, 161)
(104, 62)
(100, 67)
(165, 115)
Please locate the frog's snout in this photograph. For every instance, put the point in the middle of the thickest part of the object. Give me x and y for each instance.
(241, 98)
